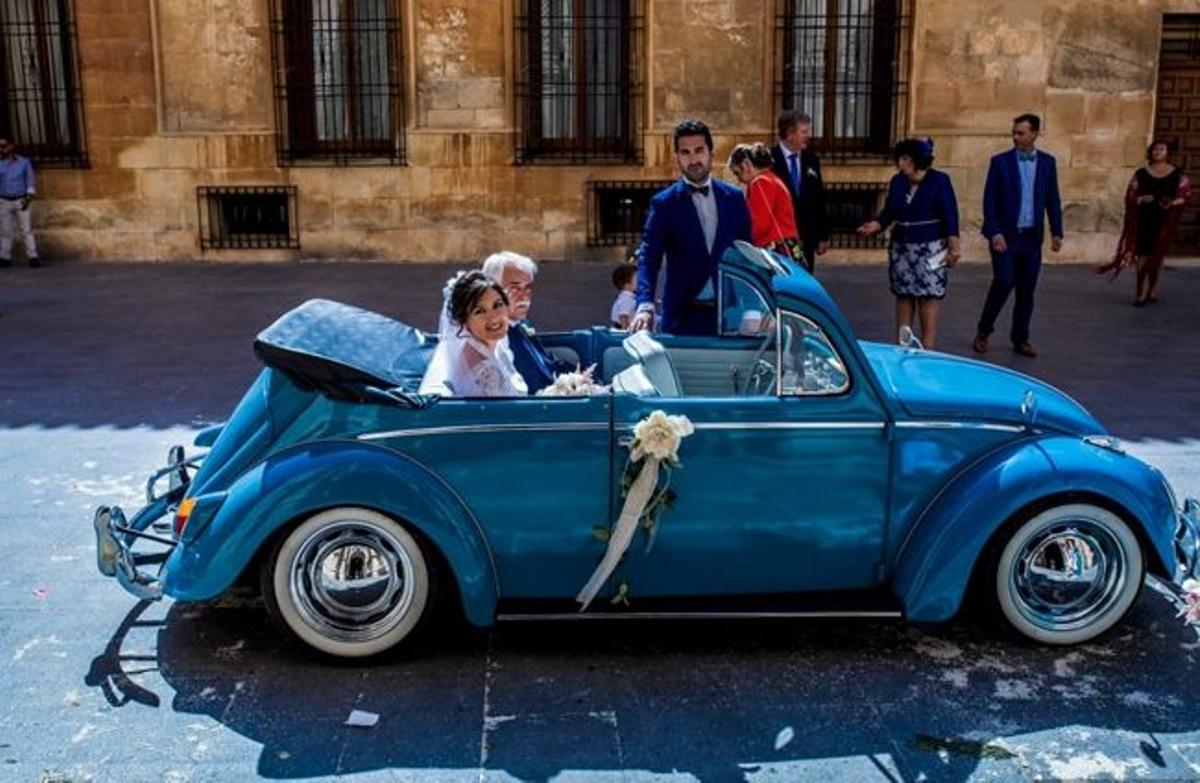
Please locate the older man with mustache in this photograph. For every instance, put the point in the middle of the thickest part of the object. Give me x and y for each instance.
(516, 274)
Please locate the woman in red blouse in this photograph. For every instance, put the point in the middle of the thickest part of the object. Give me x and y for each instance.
(772, 221)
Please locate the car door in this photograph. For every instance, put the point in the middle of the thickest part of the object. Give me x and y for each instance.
(533, 472)
(783, 486)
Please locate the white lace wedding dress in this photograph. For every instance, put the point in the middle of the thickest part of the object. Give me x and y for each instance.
(466, 367)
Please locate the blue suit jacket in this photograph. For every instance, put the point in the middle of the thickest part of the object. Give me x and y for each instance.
(537, 367)
(673, 230)
(1002, 197)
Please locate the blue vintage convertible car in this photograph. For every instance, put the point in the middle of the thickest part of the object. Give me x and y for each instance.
(826, 475)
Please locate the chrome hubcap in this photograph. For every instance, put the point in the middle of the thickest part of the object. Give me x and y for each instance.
(1068, 574)
(352, 581)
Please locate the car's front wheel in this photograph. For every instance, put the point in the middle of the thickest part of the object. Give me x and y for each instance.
(348, 582)
(1067, 574)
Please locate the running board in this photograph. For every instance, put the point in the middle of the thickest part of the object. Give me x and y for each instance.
(871, 603)
(516, 617)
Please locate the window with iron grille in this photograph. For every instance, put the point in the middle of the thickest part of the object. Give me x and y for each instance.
(579, 85)
(617, 210)
(847, 206)
(338, 81)
(248, 217)
(42, 105)
(1180, 39)
(843, 63)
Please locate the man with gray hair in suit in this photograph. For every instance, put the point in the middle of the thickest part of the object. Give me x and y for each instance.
(516, 274)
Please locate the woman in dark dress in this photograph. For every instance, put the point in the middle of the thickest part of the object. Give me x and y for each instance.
(1154, 202)
(923, 211)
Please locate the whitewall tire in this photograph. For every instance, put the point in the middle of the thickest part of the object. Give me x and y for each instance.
(348, 582)
(1067, 574)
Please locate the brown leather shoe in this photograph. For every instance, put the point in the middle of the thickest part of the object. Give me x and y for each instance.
(980, 343)
(1024, 349)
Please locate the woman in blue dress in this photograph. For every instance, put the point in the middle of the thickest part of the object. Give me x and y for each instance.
(923, 213)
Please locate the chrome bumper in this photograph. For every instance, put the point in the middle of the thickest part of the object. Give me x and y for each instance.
(116, 535)
(115, 555)
(1187, 542)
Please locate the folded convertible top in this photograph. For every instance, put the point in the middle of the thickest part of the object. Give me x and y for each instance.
(339, 350)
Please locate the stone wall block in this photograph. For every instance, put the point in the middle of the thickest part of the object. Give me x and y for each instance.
(481, 93)
(314, 211)
(165, 152)
(1103, 113)
(364, 183)
(111, 184)
(250, 151)
(491, 118)
(450, 118)
(1136, 115)
(1066, 112)
(121, 122)
(440, 94)
(124, 27)
(1092, 151)
(364, 213)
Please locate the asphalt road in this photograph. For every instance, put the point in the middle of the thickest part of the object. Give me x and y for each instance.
(102, 367)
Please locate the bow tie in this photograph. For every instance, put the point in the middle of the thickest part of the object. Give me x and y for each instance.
(701, 190)
(1031, 155)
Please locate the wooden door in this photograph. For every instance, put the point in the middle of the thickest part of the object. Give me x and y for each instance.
(1178, 120)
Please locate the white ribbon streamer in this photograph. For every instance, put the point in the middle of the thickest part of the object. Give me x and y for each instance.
(636, 499)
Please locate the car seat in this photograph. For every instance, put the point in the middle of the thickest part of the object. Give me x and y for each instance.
(656, 362)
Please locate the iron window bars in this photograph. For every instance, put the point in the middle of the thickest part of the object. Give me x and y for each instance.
(338, 73)
(847, 206)
(1181, 38)
(617, 210)
(248, 217)
(579, 81)
(843, 62)
(42, 105)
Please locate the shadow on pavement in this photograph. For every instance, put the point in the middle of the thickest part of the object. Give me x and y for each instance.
(852, 698)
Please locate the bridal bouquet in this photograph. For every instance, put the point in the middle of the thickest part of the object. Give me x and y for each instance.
(1190, 610)
(653, 452)
(574, 384)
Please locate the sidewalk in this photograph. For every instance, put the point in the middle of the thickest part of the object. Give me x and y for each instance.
(161, 344)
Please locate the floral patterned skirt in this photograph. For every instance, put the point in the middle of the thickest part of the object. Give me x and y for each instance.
(910, 272)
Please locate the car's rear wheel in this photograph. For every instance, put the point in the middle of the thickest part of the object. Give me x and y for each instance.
(1067, 574)
(348, 582)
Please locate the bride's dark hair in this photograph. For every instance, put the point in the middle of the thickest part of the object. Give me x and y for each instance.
(467, 290)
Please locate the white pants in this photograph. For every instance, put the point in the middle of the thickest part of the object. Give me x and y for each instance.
(11, 214)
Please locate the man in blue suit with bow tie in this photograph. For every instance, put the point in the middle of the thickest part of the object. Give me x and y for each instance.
(1021, 192)
(691, 223)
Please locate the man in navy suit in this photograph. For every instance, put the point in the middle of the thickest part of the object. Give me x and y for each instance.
(515, 273)
(691, 223)
(1021, 192)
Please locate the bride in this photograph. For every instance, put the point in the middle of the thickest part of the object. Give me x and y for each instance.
(472, 357)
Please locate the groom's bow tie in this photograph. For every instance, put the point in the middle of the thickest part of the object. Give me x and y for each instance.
(698, 189)
(1031, 155)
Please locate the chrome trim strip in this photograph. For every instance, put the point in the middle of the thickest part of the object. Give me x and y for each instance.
(958, 425)
(885, 614)
(778, 425)
(463, 429)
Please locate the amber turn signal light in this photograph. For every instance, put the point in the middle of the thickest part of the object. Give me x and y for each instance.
(181, 515)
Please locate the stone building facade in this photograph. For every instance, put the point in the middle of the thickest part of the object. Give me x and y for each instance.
(445, 129)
